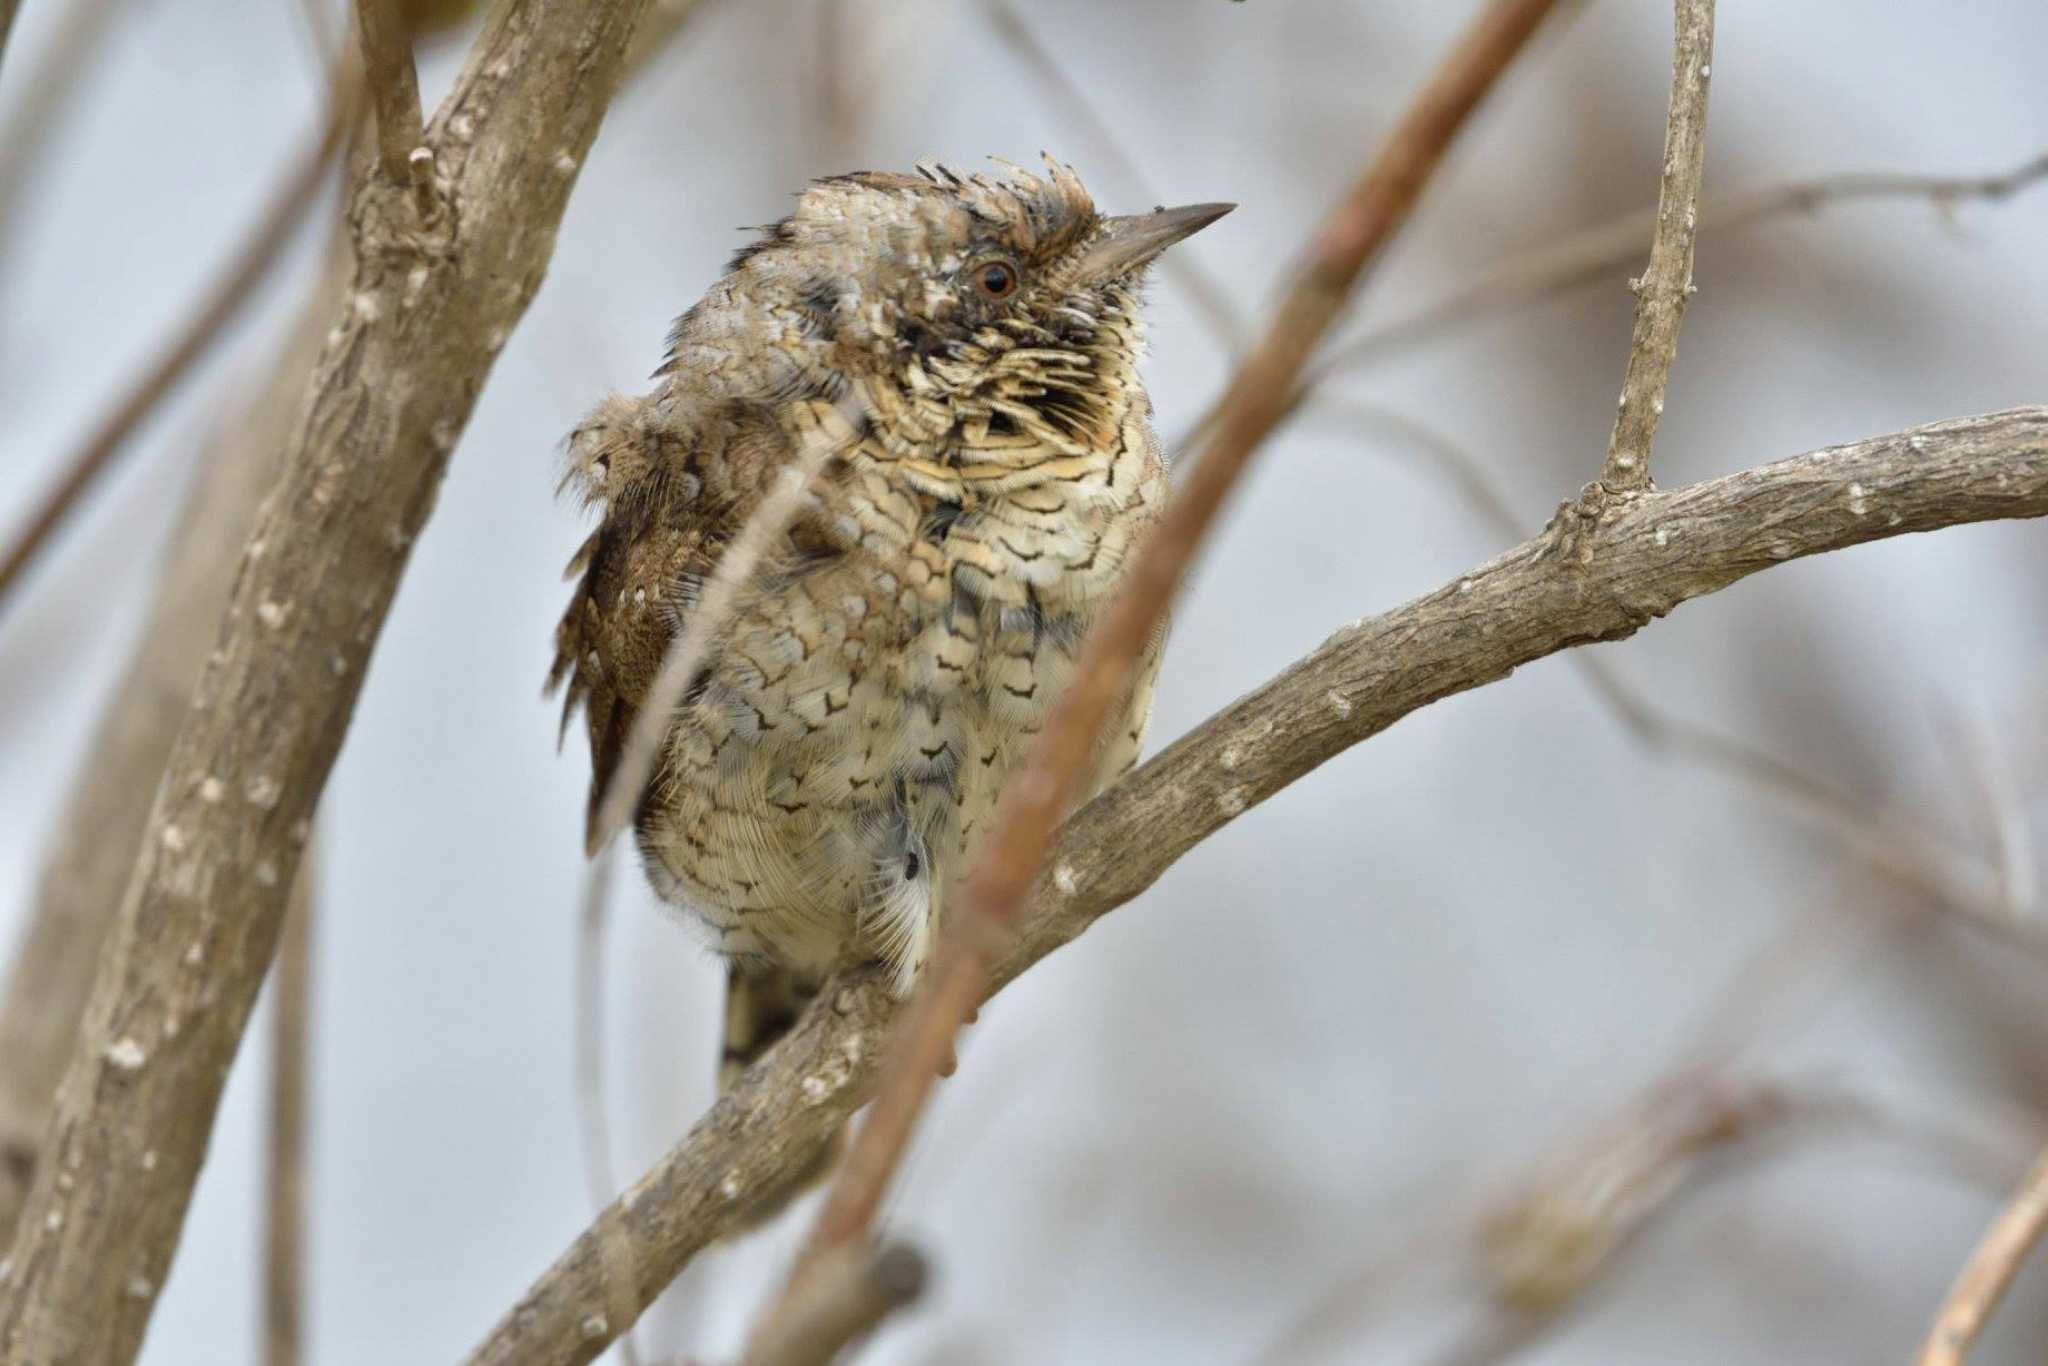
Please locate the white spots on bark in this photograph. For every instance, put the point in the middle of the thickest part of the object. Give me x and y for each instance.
(263, 791)
(1064, 878)
(272, 614)
(1231, 801)
(266, 873)
(126, 1054)
(140, 1288)
(594, 1328)
(1339, 703)
(1859, 503)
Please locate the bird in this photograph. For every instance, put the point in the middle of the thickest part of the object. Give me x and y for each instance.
(837, 755)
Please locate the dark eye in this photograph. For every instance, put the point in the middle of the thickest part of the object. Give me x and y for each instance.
(997, 279)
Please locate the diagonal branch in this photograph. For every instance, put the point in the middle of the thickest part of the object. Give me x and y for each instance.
(1667, 283)
(432, 302)
(1596, 573)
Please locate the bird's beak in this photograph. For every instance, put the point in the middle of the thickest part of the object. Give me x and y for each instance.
(1126, 243)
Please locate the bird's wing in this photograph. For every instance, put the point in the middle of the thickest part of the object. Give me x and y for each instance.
(674, 487)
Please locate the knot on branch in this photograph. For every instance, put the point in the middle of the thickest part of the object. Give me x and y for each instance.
(403, 224)
(1569, 534)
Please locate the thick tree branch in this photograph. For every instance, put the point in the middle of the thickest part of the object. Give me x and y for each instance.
(1990, 1271)
(1601, 571)
(431, 305)
(1667, 282)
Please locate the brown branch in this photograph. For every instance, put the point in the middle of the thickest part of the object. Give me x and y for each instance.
(93, 849)
(384, 35)
(1990, 1270)
(1600, 573)
(1033, 802)
(285, 1185)
(428, 311)
(850, 1291)
(1666, 284)
(250, 263)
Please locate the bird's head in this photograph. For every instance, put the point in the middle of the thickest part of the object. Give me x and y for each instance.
(980, 310)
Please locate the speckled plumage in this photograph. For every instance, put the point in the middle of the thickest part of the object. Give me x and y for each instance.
(837, 758)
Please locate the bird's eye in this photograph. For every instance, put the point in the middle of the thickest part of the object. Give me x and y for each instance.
(997, 279)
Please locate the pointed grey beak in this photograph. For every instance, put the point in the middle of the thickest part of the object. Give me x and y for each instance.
(1126, 243)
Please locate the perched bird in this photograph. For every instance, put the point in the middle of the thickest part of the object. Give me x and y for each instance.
(837, 757)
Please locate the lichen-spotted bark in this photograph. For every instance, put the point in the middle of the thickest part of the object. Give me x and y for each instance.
(434, 296)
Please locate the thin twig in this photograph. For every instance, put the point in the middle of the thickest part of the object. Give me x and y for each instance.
(1990, 1270)
(1587, 579)
(1033, 802)
(385, 37)
(284, 1250)
(1211, 300)
(848, 1293)
(1595, 253)
(427, 314)
(593, 1116)
(251, 261)
(1666, 283)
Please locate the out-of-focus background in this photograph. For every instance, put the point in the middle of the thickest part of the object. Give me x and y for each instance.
(1271, 1105)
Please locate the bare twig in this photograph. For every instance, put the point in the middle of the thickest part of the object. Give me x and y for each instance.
(93, 848)
(1033, 802)
(1600, 577)
(1204, 291)
(1592, 255)
(1990, 1270)
(384, 33)
(428, 311)
(284, 1239)
(1666, 283)
(250, 263)
(847, 1294)
(594, 1128)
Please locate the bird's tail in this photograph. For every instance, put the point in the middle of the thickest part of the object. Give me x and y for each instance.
(761, 1005)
